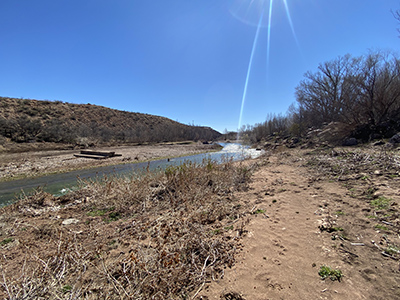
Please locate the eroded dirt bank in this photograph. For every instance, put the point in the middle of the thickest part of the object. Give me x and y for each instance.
(36, 163)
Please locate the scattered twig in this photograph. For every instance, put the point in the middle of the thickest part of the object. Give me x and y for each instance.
(388, 255)
(357, 244)
(198, 291)
(348, 252)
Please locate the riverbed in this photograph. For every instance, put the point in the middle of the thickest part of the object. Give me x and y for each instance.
(61, 183)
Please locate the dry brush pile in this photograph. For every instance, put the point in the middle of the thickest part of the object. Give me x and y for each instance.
(155, 236)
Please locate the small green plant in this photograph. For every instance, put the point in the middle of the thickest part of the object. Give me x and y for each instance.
(113, 216)
(328, 272)
(259, 211)
(364, 178)
(66, 289)
(97, 213)
(381, 203)
(229, 228)
(381, 227)
(216, 231)
(370, 193)
(339, 213)
(391, 249)
(6, 241)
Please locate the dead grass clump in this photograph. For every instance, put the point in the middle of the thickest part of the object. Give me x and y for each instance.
(156, 235)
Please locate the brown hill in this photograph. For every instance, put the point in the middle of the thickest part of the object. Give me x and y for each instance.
(23, 120)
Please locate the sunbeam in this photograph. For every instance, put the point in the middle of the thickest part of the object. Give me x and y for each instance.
(248, 11)
(248, 71)
(291, 24)
(269, 32)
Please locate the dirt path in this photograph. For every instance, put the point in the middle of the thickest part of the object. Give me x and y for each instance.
(284, 247)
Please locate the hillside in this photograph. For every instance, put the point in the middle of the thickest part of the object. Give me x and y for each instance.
(29, 121)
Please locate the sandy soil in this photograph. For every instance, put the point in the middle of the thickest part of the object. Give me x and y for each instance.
(29, 164)
(285, 247)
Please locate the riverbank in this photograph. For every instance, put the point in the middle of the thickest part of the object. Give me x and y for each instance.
(39, 163)
(268, 228)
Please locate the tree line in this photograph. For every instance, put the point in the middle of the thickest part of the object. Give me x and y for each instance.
(361, 94)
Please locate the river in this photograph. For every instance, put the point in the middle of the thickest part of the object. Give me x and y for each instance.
(58, 184)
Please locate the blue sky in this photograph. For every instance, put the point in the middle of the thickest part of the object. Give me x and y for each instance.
(183, 59)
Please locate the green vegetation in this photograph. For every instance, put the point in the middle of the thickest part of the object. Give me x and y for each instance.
(259, 211)
(110, 217)
(6, 241)
(392, 250)
(381, 203)
(328, 272)
(337, 229)
(66, 289)
(381, 227)
(113, 216)
(339, 213)
(97, 212)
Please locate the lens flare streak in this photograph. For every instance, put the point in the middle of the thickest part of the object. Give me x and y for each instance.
(269, 32)
(248, 71)
(259, 25)
(291, 23)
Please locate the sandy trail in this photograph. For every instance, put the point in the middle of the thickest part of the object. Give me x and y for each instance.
(284, 248)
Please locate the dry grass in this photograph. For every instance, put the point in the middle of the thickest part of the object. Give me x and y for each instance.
(339, 162)
(155, 236)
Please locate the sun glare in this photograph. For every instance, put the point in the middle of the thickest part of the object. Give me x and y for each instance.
(251, 12)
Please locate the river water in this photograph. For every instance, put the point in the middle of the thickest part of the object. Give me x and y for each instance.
(58, 184)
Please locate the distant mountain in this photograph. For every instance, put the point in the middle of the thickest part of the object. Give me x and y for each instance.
(23, 121)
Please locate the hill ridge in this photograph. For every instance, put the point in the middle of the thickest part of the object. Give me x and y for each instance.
(30, 120)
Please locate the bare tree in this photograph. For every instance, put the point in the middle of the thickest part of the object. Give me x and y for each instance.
(396, 15)
(323, 94)
(361, 91)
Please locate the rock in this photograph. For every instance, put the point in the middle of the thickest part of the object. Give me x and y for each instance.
(267, 145)
(350, 142)
(375, 136)
(295, 140)
(379, 143)
(70, 221)
(395, 139)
